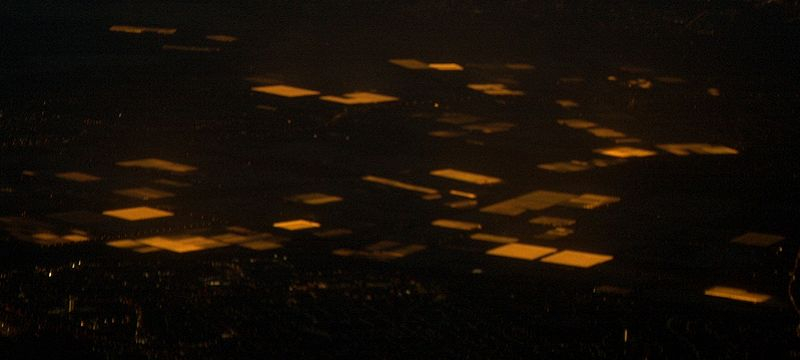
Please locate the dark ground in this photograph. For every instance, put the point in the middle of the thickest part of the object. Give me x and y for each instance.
(76, 97)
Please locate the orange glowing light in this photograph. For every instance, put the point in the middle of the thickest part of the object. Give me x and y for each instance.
(466, 176)
(138, 213)
(579, 259)
(521, 251)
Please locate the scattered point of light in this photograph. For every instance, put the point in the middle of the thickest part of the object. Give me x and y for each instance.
(466, 176)
(736, 294)
(138, 213)
(284, 90)
(521, 251)
(577, 258)
(294, 225)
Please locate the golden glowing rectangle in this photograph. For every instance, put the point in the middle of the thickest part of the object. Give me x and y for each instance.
(591, 201)
(463, 194)
(552, 221)
(158, 164)
(493, 238)
(412, 64)
(606, 133)
(284, 90)
(577, 123)
(142, 29)
(625, 152)
(260, 245)
(446, 66)
(521, 251)
(466, 176)
(579, 259)
(138, 213)
(542, 199)
(124, 244)
(400, 185)
(495, 89)
(566, 166)
(758, 239)
(737, 294)
(144, 193)
(703, 149)
(355, 98)
(181, 245)
(456, 224)
(230, 238)
(315, 198)
(294, 225)
(77, 176)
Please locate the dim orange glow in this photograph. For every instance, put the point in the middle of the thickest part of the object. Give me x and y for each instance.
(144, 193)
(356, 98)
(736, 294)
(703, 149)
(315, 198)
(412, 64)
(591, 201)
(463, 194)
(138, 213)
(400, 185)
(493, 238)
(77, 176)
(521, 251)
(446, 66)
(625, 152)
(142, 29)
(577, 123)
(261, 245)
(567, 103)
(552, 221)
(495, 89)
(466, 176)
(157, 164)
(490, 128)
(579, 259)
(758, 239)
(284, 90)
(190, 48)
(222, 38)
(456, 224)
(520, 66)
(606, 133)
(294, 225)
